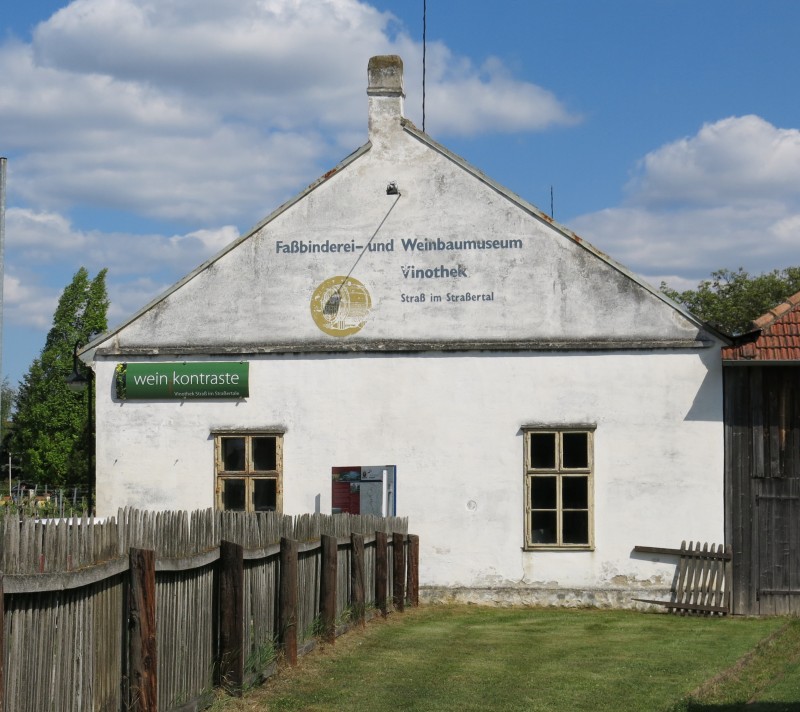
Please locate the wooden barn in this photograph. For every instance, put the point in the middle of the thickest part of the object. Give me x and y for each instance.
(761, 373)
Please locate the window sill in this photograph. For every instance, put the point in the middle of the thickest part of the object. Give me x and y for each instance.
(558, 548)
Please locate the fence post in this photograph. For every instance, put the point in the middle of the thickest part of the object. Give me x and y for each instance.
(412, 584)
(287, 610)
(327, 593)
(357, 598)
(142, 655)
(381, 571)
(231, 614)
(398, 571)
(2, 643)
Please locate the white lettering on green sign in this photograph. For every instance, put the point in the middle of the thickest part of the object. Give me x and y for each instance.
(205, 379)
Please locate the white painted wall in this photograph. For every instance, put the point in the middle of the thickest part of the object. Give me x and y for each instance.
(451, 424)
(439, 389)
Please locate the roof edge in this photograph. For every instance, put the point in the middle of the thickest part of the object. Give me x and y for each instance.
(569, 234)
(774, 314)
(386, 347)
(86, 353)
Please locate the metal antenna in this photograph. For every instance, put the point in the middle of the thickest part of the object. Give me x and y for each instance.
(424, 52)
(552, 214)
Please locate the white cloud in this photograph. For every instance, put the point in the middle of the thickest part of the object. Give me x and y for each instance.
(40, 245)
(727, 197)
(745, 159)
(465, 100)
(28, 303)
(204, 111)
(41, 237)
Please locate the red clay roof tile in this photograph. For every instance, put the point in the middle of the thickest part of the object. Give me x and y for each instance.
(779, 337)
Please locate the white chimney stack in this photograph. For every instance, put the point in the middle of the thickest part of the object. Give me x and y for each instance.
(385, 92)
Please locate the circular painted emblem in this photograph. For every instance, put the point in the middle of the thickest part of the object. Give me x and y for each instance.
(340, 306)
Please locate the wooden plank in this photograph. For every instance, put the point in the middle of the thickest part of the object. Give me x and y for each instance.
(682, 575)
(142, 654)
(680, 552)
(412, 584)
(684, 606)
(775, 413)
(2, 644)
(398, 571)
(327, 592)
(357, 578)
(758, 436)
(64, 580)
(192, 562)
(287, 606)
(381, 572)
(231, 623)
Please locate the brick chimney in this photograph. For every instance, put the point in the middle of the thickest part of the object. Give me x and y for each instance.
(385, 92)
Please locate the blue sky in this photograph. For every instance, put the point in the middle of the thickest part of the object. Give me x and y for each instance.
(144, 135)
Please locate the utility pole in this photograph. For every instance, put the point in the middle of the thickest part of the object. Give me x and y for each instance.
(3, 162)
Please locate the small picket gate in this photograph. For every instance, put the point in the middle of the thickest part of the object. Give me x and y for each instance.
(702, 580)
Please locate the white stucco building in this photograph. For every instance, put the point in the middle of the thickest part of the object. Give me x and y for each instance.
(407, 334)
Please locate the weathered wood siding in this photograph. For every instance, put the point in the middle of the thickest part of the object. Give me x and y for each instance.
(80, 628)
(762, 487)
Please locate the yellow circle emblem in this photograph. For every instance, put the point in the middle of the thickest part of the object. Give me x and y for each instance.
(340, 306)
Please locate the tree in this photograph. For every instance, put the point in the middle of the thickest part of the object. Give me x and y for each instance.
(50, 428)
(731, 300)
(8, 395)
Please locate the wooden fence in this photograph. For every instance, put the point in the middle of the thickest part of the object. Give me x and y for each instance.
(702, 582)
(152, 610)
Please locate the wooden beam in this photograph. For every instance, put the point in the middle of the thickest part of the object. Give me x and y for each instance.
(398, 571)
(412, 582)
(686, 553)
(327, 594)
(231, 617)
(381, 572)
(142, 654)
(357, 596)
(2, 644)
(287, 604)
(685, 606)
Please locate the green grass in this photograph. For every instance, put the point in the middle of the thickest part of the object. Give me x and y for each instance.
(471, 658)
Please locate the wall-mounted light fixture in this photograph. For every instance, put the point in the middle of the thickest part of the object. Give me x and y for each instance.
(77, 380)
(391, 189)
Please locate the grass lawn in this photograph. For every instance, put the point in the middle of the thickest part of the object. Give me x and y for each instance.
(475, 658)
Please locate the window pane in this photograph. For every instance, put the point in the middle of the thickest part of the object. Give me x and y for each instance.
(543, 528)
(265, 495)
(576, 450)
(576, 528)
(575, 492)
(233, 494)
(233, 454)
(543, 493)
(543, 450)
(265, 454)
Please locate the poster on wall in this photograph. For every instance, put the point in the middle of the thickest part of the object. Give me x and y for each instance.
(181, 380)
(359, 489)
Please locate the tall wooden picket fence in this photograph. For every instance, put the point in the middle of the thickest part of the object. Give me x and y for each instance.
(152, 610)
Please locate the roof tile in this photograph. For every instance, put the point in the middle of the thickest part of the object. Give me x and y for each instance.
(779, 337)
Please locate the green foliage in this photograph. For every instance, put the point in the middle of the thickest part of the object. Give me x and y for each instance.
(731, 300)
(8, 396)
(51, 429)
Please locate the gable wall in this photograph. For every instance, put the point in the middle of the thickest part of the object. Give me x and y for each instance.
(539, 285)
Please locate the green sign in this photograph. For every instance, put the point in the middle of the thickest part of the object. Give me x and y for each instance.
(204, 379)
